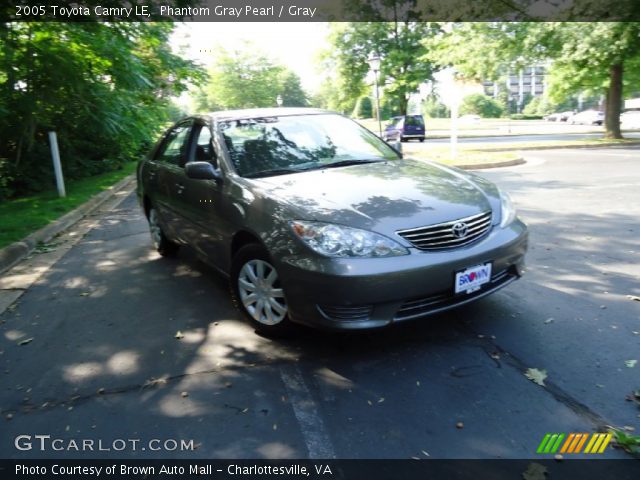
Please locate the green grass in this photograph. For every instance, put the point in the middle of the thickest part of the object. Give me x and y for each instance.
(463, 157)
(21, 216)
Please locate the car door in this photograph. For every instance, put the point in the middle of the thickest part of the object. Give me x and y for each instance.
(199, 203)
(169, 161)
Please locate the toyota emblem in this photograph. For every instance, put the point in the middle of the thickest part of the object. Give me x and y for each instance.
(459, 230)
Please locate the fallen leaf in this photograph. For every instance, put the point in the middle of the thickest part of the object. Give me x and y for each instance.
(9, 416)
(244, 410)
(536, 375)
(369, 402)
(418, 383)
(26, 341)
(381, 400)
(275, 426)
(599, 385)
(558, 457)
(629, 428)
(85, 294)
(179, 335)
(535, 471)
(425, 453)
(495, 355)
(184, 394)
(549, 320)
(634, 298)
(630, 363)
(459, 425)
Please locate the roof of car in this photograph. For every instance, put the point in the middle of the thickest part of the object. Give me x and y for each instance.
(263, 112)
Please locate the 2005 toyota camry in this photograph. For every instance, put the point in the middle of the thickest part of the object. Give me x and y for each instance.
(318, 221)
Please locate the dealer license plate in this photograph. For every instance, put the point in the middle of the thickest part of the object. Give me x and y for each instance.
(472, 278)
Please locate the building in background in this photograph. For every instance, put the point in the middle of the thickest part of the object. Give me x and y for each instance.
(520, 86)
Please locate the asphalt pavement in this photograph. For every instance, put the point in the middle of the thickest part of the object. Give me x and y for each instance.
(126, 345)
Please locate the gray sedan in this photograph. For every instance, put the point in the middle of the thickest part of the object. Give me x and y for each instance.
(315, 220)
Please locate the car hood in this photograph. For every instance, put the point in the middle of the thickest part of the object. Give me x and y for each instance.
(383, 197)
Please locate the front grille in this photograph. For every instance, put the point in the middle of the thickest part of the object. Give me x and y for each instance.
(348, 313)
(441, 236)
(424, 306)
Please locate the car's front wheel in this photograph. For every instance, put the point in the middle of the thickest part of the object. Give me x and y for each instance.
(257, 291)
(161, 243)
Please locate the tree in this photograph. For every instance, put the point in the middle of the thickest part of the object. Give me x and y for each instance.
(105, 88)
(364, 108)
(403, 63)
(591, 57)
(248, 78)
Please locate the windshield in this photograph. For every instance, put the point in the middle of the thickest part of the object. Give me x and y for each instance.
(288, 144)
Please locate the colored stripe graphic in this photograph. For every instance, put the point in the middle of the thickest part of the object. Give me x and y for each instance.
(595, 443)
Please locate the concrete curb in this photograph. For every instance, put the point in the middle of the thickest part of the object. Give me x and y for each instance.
(482, 166)
(12, 254)
(557, 147)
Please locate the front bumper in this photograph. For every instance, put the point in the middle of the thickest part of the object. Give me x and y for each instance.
(375, 292)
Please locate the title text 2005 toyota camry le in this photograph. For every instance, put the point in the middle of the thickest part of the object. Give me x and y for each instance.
(318, 221)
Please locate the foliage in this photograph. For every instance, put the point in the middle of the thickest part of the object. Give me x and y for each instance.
(364, 108)
(248, 78)
(104, 88)
(398, 44)
(480, 104)
(595, 57)
(432, 107)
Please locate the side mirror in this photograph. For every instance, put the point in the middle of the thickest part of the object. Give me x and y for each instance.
(202, 171)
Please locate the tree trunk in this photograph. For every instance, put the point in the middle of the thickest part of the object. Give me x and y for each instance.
(404, 103)
(613, 103)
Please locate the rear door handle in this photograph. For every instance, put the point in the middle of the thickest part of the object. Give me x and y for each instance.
(151, 175)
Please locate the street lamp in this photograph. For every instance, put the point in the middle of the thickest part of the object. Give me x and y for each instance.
(279, 100)
(374, 64)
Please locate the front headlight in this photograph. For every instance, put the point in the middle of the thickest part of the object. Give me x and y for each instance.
(340, 241)
(508, 211)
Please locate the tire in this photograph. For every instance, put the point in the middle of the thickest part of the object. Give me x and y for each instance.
(161, 243)
(253, 274)
(403, 140)
(421, 139)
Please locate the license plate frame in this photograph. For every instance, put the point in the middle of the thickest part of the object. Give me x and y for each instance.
(471, 279)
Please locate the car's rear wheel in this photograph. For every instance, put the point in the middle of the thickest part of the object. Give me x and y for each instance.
(421, 139)
(161, 243)
(257, 291)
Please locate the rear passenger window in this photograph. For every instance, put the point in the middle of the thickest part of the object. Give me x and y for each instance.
(173, 149)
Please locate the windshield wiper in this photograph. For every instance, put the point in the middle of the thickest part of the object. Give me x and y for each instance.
(346, 163)
(272, 173)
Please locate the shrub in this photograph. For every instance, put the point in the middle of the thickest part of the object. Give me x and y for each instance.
(479, 104)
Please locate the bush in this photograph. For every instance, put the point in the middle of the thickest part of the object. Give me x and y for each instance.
(364, 108)
(479, 104)
(524, 116)
(433, 108)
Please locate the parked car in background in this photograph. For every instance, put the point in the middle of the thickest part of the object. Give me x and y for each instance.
(587, 117)
(405, 127)
(559, 116)
(316, 220)
(630, 119)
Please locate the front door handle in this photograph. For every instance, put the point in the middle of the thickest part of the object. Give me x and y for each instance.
(180, 188)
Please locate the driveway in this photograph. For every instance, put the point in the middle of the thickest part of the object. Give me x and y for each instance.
(128, 345)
